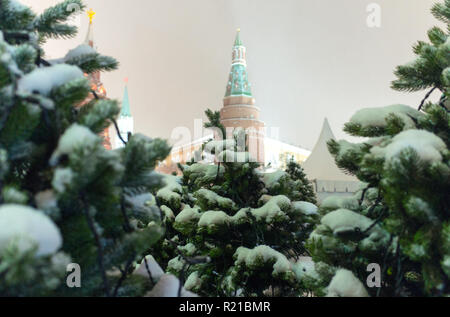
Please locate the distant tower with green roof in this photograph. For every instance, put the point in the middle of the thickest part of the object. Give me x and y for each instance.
(239, 110)
(125, 121)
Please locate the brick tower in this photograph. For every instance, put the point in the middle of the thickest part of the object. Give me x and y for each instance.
(239, 110)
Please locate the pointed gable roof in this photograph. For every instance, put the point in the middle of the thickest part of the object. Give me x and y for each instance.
(125, 111)
(320, 164)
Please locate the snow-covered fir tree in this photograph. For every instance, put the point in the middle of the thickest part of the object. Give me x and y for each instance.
(400, 219)
(64, 198)
(233, 229)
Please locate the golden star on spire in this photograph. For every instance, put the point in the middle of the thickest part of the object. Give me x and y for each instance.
(239, 30)
(90, 14)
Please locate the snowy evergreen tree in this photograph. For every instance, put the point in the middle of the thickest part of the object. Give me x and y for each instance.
(400, 219)
(64, 198)
(233, 229)
(300, 187)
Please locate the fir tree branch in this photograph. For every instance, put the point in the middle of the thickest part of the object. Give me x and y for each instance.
(426, 97)
(118, 132)
(187, 262)
(23, 36)
(113, 121)
(363, 194)
(51, 22)
(376, 221)
(124, 214)
(98, 243)
(124, 275)
(442, 101)
(186, 267)
(391, 237)
(149, 272)
(398, 275)
(41, 61)
(218, 172)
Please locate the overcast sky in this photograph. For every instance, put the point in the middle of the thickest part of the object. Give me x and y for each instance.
(307, 59)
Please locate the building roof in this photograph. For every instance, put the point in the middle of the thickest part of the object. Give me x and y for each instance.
(320, 165)
(238, 83)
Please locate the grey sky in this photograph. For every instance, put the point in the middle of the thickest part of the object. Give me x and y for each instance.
(306, 59)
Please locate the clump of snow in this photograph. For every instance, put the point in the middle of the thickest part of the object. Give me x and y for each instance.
(203, 172)
(171, 190)
(343, 220)
(168, 195)
(345, 284)
(253, 258)
(336, 202)
(193, 281)
(27, 228)
(426, 144)
(304, 208)
(272, 180)
(376, 117)
(172, 182)
(140, 200)
(264, 199)
(12, 195)
(62, 178)
(144, 204)
(188, 214)
(76, 136)
(210, 218)
(168, 213)
(304, 267)
(274, 209)
(153, 266)
(188, 249)
(176, 264)
(43, 80)
(167, 286)
(445, 264)
(80, 50)
(212, 199)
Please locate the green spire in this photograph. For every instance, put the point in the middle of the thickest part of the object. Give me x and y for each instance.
(125, 112)
(238, 84)
(237, 41)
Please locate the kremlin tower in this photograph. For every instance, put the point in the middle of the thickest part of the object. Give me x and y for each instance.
(95, 80)
(239, 110)
(125, 121)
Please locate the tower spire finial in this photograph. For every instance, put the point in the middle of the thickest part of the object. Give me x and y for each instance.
(90, 14)
(237, 41)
